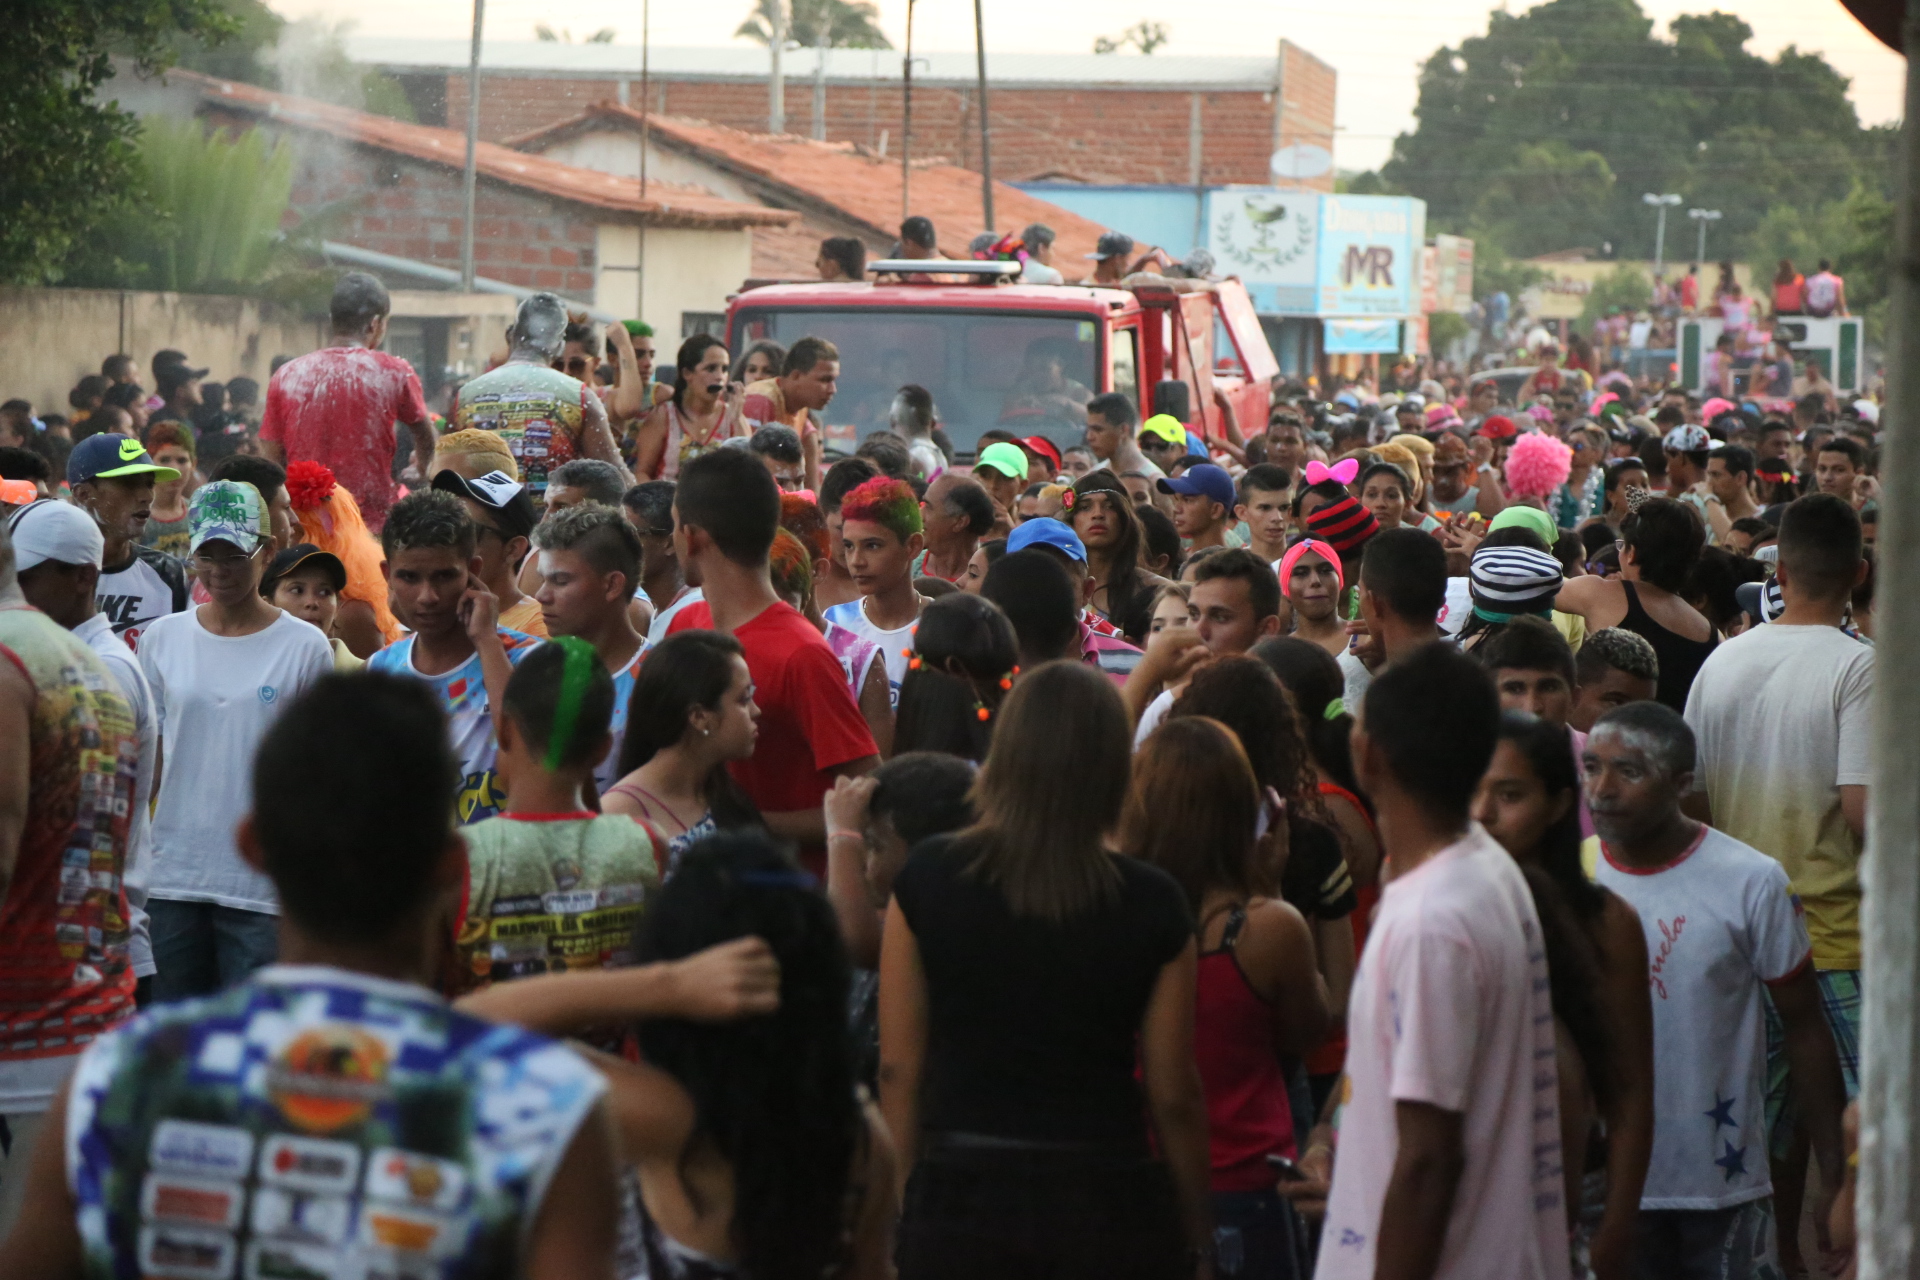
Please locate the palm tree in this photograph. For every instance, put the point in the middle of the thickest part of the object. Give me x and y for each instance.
(847, 24)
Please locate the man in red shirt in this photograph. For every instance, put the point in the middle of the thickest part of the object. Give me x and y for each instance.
(726, 509)
(337, 406)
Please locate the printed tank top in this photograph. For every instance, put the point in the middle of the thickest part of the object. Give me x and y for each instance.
(316, 1122)
(538, 411)
(64, 972)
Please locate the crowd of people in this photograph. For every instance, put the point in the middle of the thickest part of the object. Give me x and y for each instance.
(597, 834)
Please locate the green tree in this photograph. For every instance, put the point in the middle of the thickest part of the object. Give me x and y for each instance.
(1626, 287)
(207, 219)
(847, 24)
(1519, 113)
(1143, 35)
(68, 156)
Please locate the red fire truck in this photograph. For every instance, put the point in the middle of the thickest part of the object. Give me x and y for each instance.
(1019, 357)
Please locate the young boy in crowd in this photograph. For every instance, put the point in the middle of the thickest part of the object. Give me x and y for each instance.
(1614, 667)
(550, 886)
(335, 1099)
(589, 570)
(1449, 1162)
(503, 518)
(457, 645)
(880, 536)
(1263, 508)
(726, 510)
(307, 582)
(1722, 923)
(1203, 505)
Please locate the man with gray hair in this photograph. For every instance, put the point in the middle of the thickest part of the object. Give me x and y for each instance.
(589, 569)
(67, 766)
(546, 418)
(337, 406)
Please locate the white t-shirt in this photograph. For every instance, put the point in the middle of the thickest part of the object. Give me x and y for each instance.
(97, 634)
(1356, 680)
(927, 459)
(895, 645)
(657, 629)
(1450, 1008)
(1721, 921)
(217, 696)
(1782, 716)
(1152, 718)
(1637, 334)
(1034, 271)
(1458, 608)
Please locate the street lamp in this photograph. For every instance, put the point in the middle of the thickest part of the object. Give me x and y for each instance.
(1703, 217)
(1662, 203)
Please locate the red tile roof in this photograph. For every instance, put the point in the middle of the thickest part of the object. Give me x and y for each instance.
(666, 204)
(835, 176)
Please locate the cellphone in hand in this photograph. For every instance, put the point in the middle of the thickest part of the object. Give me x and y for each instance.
(1287, 1169)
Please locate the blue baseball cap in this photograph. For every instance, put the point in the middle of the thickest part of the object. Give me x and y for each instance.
(110, 455)
(1202, 478)
(1045, 531)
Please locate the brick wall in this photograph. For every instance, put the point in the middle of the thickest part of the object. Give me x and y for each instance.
(413, 210)
(1093, 135)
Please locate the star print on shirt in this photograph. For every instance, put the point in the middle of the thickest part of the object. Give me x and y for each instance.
(1734, 1162)
(1722, 1112)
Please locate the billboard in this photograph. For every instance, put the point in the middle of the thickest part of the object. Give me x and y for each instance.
(1370, 255)
(1268, 238)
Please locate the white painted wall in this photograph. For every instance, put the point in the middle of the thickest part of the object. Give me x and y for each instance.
(686, 271)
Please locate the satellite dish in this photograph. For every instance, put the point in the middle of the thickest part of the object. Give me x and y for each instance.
(1302, 160)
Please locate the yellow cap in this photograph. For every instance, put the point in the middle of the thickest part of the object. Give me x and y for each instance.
(1166, 427)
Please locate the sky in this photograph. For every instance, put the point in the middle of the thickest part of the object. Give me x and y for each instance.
(1376, 45)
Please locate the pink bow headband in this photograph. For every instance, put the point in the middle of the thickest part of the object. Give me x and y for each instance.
(1343, 471)
(1324, 550)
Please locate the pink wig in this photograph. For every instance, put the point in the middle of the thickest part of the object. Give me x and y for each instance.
(1537, 464)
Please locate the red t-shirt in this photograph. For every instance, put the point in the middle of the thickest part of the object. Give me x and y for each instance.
(809, 722)
(337, 406)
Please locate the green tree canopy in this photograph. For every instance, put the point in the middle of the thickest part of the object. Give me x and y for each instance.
(67, 156)
(846, 24)
(1544, 132)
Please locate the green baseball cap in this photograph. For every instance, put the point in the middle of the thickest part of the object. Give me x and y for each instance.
(227, 511)
(1009, 460)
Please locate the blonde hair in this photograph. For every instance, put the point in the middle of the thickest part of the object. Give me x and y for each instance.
(334, 524)
(1405, 459)
(473, 442)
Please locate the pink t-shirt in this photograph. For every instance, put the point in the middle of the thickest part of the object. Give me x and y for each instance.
(1450, 1008)
(337, 406)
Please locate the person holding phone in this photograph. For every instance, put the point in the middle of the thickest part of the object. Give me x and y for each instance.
(456, 643)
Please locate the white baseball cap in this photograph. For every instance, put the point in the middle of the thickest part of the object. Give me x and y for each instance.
(54, 530)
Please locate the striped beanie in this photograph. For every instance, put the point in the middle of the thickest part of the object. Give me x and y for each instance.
(1509, 581)
(1343, 524)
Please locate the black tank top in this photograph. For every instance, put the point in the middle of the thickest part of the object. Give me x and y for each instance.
(1680, 658)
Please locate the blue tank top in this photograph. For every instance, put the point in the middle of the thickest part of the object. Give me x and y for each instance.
(314, 1122)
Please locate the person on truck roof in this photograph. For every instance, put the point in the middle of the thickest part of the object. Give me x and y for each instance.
(1111, 256)
(1039, 268)
(842, 258)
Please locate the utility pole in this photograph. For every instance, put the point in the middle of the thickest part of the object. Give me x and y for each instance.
(986, 130)
(820, 80)
(646, 138)
(1703, 217)
(1662, 203)
(906, 122)
(777, 92)
(469, 178)
(1888, 1200)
